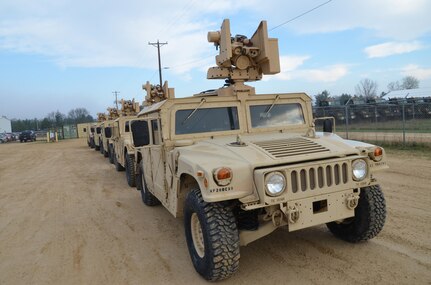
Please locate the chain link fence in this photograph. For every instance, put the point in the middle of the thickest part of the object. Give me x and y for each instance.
(403, 122)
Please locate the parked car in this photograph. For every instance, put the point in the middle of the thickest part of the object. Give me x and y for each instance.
(3, 138)
(27, 136)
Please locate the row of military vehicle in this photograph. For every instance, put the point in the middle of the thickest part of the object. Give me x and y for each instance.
(236, 165)
(379, 112)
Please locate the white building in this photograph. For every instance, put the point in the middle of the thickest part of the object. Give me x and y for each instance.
(5, 125)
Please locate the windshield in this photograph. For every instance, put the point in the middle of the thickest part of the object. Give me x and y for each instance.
(267, 116)
(206, 120)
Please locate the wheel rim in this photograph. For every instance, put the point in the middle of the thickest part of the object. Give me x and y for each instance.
(197, 236)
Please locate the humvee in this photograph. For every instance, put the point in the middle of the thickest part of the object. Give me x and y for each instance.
(90, 134)
(122, 151)
(106, 132)
(101, 117)
(237, 166)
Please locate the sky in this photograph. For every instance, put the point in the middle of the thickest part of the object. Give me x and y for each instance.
(65, 54)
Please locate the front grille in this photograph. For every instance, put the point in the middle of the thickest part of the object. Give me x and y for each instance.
(290, 147)
(317, 177)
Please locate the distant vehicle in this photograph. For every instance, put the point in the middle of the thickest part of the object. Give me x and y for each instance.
(27, 136)
(3, 138)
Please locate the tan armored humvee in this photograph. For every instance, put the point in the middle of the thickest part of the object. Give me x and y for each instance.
(237, 165)
(101, 117)
(106, 133)
(123, 152)
(90, 134)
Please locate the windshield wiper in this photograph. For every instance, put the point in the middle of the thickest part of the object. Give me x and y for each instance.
(194, 111)
(273, 103)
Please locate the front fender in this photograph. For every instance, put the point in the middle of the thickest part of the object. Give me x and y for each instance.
(242, 183)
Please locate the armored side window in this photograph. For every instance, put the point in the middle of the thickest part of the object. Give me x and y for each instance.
(98, 130)
(267, 116)
(140, 133)
(92, 130)
(85, 130)
(155, 131)
(108, 132)
(193, 121)
(127, 128)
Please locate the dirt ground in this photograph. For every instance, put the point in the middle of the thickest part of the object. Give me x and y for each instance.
(67, 217)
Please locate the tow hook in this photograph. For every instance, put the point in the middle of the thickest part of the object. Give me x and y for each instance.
(276, 218)
(352, 201)
(293, 214)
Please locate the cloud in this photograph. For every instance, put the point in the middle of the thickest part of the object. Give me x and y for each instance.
(287, 65)
(416, 71)
(390, 19)
(326, 74)
(290, 65)
(116, 35)
(392, 48)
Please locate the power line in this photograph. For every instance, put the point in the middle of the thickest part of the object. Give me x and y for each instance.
(191, 62)
(178, 16)
(299, 16)
(282, 24)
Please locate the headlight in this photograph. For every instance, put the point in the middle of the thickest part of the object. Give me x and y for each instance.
(275, 183)
(359, 169)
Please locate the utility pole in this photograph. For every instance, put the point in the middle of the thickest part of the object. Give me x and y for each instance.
(116, 98)
(158, 45)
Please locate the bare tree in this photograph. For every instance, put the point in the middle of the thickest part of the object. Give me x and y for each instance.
(410, 82)
(366, 88)
(393, 86)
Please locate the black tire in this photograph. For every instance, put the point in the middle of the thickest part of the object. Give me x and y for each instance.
(101, 148)
(370, 216)
(130, 170)
(96, 147)
(118, 166)
(105, 153)
(111, 153)
(92, 143)
(147, 197)
(218, 235)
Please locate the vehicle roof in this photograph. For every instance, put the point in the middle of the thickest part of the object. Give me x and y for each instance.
(196, 99)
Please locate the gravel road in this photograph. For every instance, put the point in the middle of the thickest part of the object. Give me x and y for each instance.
(67, 217)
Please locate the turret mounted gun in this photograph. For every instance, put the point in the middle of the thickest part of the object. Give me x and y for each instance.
(242, 59)
(129, 107)
(157, 93)
(112, 113)
(101, 117)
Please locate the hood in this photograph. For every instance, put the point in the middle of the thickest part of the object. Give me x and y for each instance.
(275, 149)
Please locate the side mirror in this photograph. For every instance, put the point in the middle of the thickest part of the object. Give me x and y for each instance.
(327, 126)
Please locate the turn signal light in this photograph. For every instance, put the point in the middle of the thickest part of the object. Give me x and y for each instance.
(222, 176)
(377, 154)
(378, 151)
(224, 173)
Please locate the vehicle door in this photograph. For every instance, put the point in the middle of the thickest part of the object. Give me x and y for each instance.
(141, 142)
(157, 160)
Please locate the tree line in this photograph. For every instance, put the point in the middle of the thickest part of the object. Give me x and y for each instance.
(53, 120)
(366, 90)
